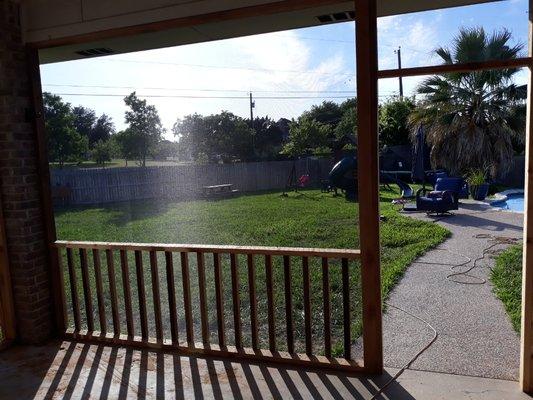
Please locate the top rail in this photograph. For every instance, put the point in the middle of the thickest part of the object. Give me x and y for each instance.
(191, 248)
(455, 68)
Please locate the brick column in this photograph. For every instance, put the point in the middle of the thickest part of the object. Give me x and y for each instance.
(19, 186)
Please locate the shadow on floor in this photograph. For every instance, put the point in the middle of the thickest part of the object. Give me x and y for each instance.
(70, 370)
(477, 220)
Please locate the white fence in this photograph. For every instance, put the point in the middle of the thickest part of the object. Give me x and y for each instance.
(106, 185)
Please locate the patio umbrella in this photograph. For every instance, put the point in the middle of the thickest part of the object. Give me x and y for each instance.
(418, 172)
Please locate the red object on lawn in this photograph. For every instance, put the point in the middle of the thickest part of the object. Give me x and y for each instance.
(303, 181)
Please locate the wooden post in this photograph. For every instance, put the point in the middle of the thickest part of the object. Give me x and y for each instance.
(526, 354)
(367, 154)
(7, 310)
(56, 274)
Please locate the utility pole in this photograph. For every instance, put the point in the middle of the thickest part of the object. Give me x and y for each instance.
(252, 106)
(399, 53)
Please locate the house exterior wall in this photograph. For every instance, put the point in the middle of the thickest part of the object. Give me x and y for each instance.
(19, 186)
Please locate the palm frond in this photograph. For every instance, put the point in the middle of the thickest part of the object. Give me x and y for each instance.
(472, 119)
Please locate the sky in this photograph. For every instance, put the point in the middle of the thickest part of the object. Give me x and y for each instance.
(287, 72)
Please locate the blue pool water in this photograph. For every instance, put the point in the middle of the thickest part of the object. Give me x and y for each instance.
(514, 202)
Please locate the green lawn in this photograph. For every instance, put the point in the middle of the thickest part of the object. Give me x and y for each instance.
(507, 279)
(309, 219)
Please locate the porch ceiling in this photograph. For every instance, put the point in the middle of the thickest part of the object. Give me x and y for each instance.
(101, 24)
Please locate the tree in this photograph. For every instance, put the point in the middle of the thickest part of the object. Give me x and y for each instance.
(166, 149)
(223, 136)
(84, 120)
(103, 151)
(306, 135)
(326, 113)
(191, 132)
(394, 121)
(94, 129)
(231, 136)
(102, 130)
(268, 139)
(145, 126)
(471, 118)
(127, 145)
(348, 124)
(65, 144)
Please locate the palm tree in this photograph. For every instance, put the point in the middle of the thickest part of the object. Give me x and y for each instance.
(472, 119)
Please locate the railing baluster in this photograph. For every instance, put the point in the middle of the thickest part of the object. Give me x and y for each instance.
(157, 296)
(219, 259)
(74, 290)
(219, 300)
(127, 292)
(187, 298)
(87, 290)
(113, 291)
(142, 294)
(346, 308)
(270, 303)
(236, 300)
(62, 317)
(253, 301)
(172, 304)
(307, 306)
(327, 307)
(202, 285)
(288, 303)
(99, 291)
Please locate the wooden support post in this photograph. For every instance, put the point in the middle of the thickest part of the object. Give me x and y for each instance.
(7, 310)
(526, 355)
(56, 275)
(367, 154)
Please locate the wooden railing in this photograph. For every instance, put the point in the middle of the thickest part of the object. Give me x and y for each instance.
(242, 302)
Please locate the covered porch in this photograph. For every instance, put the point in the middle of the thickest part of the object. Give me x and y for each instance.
(57, 343)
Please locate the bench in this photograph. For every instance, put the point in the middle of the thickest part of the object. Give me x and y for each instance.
(219, 190)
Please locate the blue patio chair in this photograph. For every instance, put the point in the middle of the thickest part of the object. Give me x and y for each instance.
(444, 197)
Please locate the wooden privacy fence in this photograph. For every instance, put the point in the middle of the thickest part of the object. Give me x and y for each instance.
(252, 303)
(105, 185)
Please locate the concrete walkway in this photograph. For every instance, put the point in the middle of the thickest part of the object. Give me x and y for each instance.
(475, 335)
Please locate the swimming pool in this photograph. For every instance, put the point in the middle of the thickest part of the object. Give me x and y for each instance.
(512, 202)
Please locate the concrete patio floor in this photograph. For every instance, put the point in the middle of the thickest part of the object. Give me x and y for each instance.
(68, 370)
(475, 335)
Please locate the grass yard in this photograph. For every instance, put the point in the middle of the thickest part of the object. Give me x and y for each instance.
(507, 279)
(309, 219)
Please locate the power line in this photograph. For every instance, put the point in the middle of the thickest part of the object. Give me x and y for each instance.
(212, 97)
(195, 89)
(240, 68)
(203, 97)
